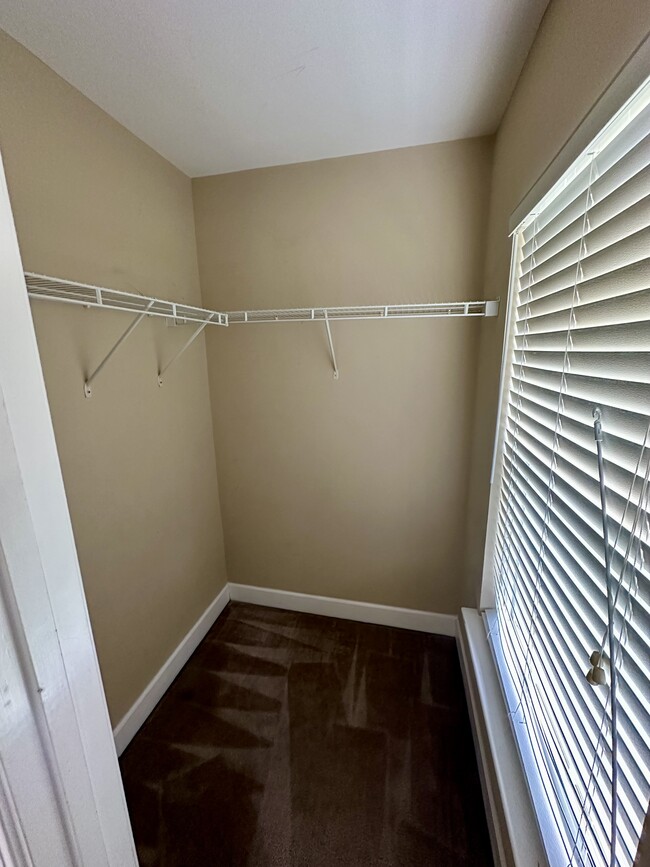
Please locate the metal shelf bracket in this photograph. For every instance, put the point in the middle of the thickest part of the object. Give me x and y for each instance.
(185, 346)
(329, 340)
(88, 392)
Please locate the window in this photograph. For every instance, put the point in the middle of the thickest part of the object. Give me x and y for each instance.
(578, 346)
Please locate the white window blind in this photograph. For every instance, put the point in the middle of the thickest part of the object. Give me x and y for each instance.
(579, 341)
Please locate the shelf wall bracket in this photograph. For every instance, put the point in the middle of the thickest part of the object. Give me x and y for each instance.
(88, 392)
(331, 345)
(185, 346)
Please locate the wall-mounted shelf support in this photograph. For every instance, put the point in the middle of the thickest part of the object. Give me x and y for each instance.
(88, 392)
(329, 340)
(185, 346)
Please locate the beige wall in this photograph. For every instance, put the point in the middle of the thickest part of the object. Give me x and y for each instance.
(93, 203)
(355, 488)
(578, 51)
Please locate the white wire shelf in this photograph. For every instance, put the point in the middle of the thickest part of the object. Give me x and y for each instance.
(379, 311)
(44, 288)
(40, 287)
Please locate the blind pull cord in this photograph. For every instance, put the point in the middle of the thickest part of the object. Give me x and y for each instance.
(596, 674)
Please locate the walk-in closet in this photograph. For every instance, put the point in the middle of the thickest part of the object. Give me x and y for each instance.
(324, 433)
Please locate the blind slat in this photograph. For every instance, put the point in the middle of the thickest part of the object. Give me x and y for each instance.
(622, 172)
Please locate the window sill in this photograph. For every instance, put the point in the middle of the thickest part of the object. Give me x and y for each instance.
(514, 832)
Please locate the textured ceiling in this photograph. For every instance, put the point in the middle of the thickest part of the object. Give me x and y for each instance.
(222, 85)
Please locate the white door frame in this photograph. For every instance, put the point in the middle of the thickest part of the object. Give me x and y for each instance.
(61, 796)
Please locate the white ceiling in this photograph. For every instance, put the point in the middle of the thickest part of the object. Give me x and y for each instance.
(222, 85)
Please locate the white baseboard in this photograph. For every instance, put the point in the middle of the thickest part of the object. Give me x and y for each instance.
(127, 727)
(365, 612)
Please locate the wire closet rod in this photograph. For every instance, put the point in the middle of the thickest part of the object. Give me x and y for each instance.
(41, 287)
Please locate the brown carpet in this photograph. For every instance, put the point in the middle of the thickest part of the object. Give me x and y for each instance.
(303, 741)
